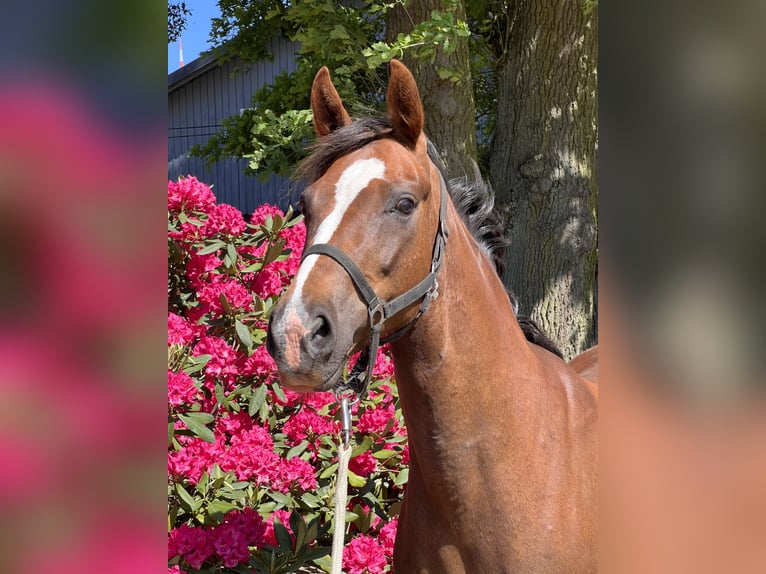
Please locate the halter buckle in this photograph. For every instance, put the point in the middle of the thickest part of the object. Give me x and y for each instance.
(377, 314)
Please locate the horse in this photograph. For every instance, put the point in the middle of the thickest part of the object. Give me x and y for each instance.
(502, 431)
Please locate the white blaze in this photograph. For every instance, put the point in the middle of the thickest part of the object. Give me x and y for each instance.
(352, 181)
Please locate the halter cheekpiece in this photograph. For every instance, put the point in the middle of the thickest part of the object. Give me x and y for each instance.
(379, 311)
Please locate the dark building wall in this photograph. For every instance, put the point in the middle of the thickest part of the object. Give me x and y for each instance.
(200, 96)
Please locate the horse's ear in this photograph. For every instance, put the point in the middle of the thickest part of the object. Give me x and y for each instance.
(329, 113)
(403, 100)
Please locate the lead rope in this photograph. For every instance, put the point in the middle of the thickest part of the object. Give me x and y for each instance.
(341, 486)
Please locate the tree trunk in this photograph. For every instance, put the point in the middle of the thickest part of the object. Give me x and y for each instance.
(449, 107)
(543, 164)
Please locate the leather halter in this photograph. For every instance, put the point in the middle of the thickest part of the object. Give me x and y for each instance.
(379, 311)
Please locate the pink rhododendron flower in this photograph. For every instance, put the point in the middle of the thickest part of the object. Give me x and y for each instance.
(195, 545)
(234, 423)
(180, 331)
(196, 456)
(189, 194)
(307, 424)
(294, 473)
(258, 364)
(273, 278)
(363, 464)
(237, 296)
(229, 541)
(364, 555)
(384, 366)
(269, 282)
(181, 389)
(224, 219)
(223, 363)
(376, 420)
(387, 536)
(198, 269)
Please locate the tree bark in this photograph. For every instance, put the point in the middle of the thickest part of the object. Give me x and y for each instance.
(543, 164)
(449, 107)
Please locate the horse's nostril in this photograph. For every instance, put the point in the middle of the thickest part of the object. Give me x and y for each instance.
(320, 328)
(320, 339)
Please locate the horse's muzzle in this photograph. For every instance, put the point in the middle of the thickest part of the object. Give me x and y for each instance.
(302, 345)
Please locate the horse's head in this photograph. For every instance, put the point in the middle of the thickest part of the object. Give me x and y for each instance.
(374, 200)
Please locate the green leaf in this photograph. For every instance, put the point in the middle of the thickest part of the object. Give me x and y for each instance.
(355, 480)
(274, 251)
(364, 446)
(211, 248)
(196, 425)
(384, 454)
(218, 508)
(281, 499)
(283, 536)
(297, 450)
(329, 471)
(187, 498)
(171, 431)
(231, 251)
(256, 400)
(402, 477)
(279, 392)
(243, 333)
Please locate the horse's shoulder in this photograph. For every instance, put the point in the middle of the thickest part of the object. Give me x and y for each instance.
(579, 387)
(586, 365)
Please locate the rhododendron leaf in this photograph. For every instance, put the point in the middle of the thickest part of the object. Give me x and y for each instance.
(310, 499)
(196, 363)
(211, 248)
(384, 454)
(364, 446)
(281, 499)
(253, 268)
(202, 483)
(355, 480)
(283, 536)
(267, 507)
(297, 449)
(171, 432)
(225, 304)
(274, 251)
(218, 508)
(298, 526)
(197, 426)
(188, 500)
(257, 398)
(325, 562)
(313, 530)
(243, 333)
(219, 396)
(329, 471)
(279, 392)
(402, 477)
(231, 251)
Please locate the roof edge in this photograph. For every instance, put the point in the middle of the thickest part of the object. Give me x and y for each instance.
(190, 71)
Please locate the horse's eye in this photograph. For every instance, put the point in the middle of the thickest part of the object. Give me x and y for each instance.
(405, 205)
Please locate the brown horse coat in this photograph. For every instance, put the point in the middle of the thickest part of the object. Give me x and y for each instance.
(502, 433)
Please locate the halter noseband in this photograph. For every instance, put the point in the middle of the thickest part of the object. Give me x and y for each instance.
(379, 311)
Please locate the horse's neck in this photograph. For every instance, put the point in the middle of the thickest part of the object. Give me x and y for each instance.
(463, 362)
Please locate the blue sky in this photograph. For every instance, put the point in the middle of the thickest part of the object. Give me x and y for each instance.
(195, 37)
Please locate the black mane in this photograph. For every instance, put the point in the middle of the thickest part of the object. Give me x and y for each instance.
(473, 199)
